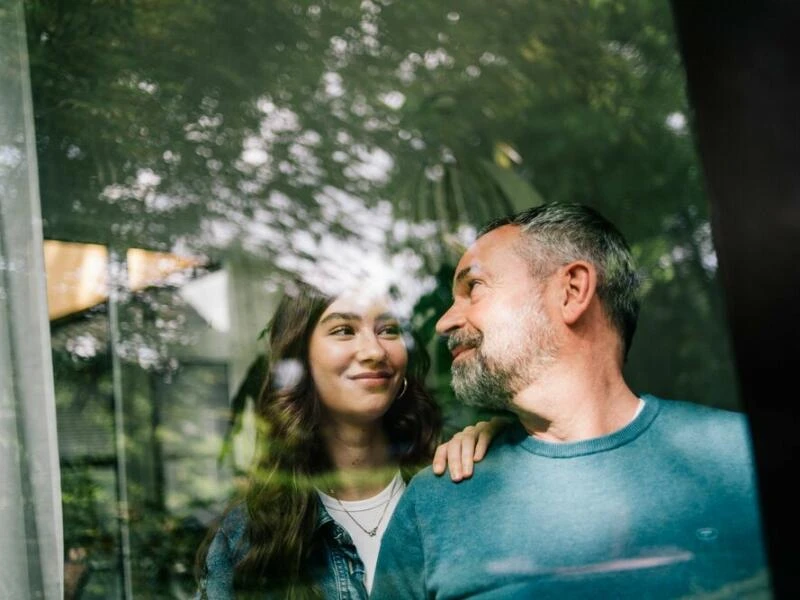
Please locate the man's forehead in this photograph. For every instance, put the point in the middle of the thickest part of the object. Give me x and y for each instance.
(489, 252)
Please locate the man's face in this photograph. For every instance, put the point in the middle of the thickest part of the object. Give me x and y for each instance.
(499, 333)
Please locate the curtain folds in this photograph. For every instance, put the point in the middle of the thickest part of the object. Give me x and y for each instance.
(31, 555)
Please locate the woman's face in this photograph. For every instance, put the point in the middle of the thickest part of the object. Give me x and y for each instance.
(358, 359)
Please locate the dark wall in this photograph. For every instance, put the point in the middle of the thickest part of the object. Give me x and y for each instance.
(742, 61)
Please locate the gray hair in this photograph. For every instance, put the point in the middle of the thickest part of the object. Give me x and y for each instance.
(556, 234)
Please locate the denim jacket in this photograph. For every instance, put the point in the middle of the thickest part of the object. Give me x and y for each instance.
(335, 564)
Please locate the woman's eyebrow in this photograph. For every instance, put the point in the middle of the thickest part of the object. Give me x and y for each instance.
(340, 316)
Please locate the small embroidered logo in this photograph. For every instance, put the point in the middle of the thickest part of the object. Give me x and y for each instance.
(707, 534)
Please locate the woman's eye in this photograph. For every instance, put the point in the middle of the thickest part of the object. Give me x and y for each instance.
(390, 330)
(342, 330)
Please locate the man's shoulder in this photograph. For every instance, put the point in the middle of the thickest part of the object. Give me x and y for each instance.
(426, 484)
(705, 425)
(425, 479)
(698, 413)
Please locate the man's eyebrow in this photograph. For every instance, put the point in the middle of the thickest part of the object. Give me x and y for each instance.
(341, 316)
(462, 275)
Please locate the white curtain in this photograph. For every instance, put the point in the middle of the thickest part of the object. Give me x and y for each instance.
(31, 537)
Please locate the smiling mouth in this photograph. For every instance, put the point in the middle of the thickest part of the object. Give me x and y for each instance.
(459, 350)
(373, 376)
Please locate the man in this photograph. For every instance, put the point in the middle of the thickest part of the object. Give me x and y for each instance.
(596, 492)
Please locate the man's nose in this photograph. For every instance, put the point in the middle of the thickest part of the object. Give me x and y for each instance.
(452, 319)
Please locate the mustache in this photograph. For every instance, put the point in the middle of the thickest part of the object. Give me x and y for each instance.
(464, 338)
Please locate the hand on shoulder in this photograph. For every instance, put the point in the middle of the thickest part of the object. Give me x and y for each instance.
(467, 447)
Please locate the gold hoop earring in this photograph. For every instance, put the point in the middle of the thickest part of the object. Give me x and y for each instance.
(405, 387)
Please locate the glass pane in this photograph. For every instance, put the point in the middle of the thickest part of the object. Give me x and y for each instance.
(141, 431)
(197, 158)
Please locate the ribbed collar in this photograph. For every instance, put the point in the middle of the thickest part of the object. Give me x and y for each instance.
(601, 444)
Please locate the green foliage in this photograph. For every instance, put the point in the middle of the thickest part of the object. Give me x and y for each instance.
(161, 123)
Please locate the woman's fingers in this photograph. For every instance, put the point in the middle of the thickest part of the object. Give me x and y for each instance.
(467, 447)
(440, 459)
(457, 455)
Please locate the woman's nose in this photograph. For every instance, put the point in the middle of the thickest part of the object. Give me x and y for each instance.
(370, 348)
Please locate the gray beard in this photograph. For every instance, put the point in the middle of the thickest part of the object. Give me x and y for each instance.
(486, 383)
(489, 382)
(476, 383)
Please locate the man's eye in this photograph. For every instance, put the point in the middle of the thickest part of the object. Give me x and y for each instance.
(471, 285)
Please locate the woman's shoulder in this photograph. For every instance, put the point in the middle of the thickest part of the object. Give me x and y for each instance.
(227, 548)
(232, 529)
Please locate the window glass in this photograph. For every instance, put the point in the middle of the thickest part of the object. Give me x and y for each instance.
(194, 158)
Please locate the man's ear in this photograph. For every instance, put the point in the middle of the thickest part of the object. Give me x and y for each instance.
(579, 284)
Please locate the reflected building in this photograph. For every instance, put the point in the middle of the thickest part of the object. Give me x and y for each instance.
(193, 160)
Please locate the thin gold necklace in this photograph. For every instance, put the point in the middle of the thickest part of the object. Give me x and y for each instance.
(370, 532)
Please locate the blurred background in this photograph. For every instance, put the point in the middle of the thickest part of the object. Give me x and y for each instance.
(193, 157)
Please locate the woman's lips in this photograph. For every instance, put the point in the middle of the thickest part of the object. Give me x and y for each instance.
(372, 375)
(373, 378)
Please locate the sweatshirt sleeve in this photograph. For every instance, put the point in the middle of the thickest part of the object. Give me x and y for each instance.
(400, 573)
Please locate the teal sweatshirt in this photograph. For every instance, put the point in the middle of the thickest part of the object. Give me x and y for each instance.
(664, 508)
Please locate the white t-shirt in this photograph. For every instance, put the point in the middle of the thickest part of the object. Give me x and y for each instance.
(639, 408)
(369, 513)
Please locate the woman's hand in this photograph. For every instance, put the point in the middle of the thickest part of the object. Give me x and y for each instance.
(466, 448)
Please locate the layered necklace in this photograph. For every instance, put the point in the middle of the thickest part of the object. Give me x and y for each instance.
(370, 532)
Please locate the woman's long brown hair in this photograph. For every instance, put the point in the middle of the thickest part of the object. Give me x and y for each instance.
(280, 500)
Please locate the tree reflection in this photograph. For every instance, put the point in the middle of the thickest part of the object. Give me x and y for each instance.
(341, 141)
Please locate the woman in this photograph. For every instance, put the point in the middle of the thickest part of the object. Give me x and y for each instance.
(344, 422)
